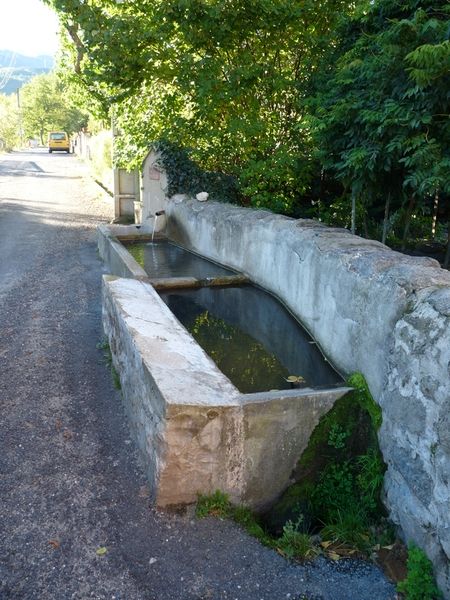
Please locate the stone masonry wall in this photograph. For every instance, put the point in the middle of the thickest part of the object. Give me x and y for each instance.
(371, 310)
(416, 426)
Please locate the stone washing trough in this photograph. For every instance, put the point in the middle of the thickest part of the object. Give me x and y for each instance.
(195, 430)
(370, 309)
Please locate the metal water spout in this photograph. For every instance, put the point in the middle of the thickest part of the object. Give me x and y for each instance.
(158, 213)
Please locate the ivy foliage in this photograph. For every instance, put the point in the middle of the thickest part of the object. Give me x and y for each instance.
(186, 177)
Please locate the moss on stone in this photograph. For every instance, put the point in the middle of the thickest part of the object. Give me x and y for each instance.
(364, 397)
(341, 468)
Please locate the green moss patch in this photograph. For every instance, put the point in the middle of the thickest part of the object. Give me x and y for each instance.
(338, 478)
(334, 507)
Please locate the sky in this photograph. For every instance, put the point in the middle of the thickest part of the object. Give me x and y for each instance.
(28, 27)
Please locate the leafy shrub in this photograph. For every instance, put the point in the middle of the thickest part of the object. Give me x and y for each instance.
(337, 436)
(100, 146)
(342, 468)
(419, 583)
(335, 491)
(340, 476)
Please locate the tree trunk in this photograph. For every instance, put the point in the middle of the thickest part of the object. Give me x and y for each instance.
(353, 213)
(408, 216)
(366, 228)
(386, 218)
(435, 214)
(447, 254)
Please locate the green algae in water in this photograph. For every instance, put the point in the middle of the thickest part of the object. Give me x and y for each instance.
(241, 358)
(254, 341)
(137, 251)
(164, 259)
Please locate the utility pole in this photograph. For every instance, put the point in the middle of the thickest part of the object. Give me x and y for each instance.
(20, 117)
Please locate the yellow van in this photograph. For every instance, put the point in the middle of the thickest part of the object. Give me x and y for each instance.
(58, 140)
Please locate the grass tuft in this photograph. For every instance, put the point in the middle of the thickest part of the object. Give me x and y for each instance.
(107, 358)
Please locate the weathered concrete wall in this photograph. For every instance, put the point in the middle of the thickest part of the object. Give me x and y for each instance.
(164, 376)
(277, 428)
(195, 431)
(371, 310)
(154, 191)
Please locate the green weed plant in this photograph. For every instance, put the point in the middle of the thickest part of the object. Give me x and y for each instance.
(294, 543)
(219, 505)
(419, 583)
(340, 477)
(107, 357)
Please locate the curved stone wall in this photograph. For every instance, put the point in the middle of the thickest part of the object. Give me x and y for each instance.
(371, 310)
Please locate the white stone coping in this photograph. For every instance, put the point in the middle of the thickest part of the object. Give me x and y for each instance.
(181, 369)
(118, 230)
(115, 255)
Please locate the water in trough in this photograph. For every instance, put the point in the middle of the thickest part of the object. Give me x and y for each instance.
(164, 260)
(251, 337)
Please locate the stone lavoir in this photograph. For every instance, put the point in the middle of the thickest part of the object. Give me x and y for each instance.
(199, 430)
(370, 309)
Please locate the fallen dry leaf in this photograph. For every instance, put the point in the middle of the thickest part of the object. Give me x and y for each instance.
(144, 492)
(295, 379)
(54, 544)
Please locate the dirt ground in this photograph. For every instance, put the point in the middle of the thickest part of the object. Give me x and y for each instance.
(70, 482)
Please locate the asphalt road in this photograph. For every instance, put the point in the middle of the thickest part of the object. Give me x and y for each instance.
(70, 482)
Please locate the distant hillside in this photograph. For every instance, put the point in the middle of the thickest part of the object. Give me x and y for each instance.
(17, 69)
